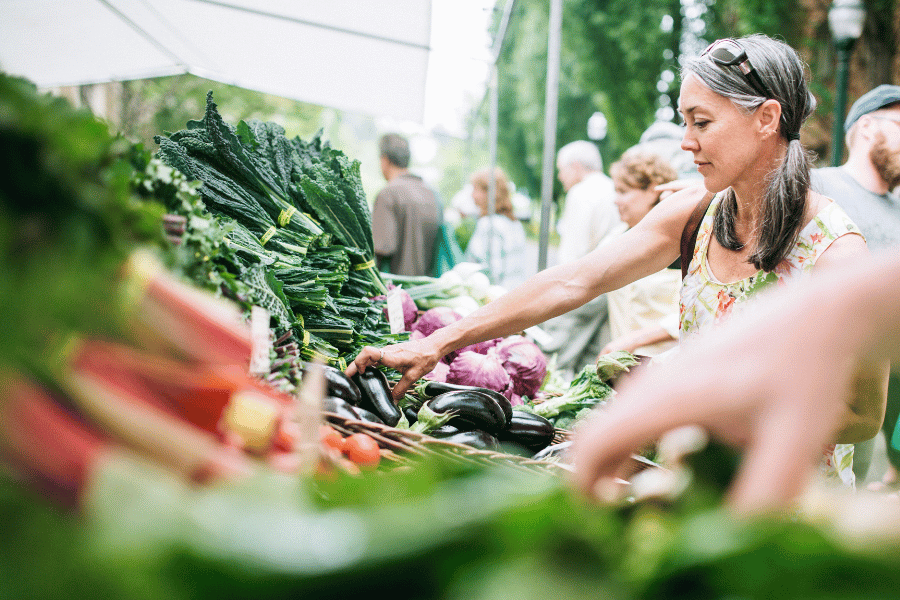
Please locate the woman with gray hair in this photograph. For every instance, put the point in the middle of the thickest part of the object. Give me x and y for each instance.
(743, 102)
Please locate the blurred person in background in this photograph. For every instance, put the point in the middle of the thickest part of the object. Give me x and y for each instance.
(643, 316)
(406, 215)
(499, 239)
(663, 138)
(863, 187)
(588, 217)
(589, 214)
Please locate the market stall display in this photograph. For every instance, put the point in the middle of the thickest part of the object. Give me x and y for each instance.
(282, 218)
(150, 381)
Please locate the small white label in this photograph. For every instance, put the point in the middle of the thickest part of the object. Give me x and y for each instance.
(540, 336)
(395, 310)
(260, 341)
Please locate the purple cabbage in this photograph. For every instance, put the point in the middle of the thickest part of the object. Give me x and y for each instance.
(435, 318)
(479, 370)
(479, 347)
(525, 363)
(439, 373)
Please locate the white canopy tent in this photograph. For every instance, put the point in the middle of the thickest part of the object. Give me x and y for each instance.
(364, 56)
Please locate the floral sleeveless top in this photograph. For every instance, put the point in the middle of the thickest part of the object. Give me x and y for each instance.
(707, 302)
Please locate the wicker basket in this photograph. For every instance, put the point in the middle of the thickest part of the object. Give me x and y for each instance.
(404, 447)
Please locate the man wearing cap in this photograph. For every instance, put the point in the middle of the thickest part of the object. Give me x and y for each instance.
(863, 187)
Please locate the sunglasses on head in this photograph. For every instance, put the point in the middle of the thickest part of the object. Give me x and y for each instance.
(728, 53)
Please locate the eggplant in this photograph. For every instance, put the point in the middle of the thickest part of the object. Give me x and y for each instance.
(340, 407)
(476, 439)
(529, 430)
(473, 406)
(412, 415)
(445, 430)
(338, 385)
(463, 424)
(376, 395)
(433, 389)
(367, 415)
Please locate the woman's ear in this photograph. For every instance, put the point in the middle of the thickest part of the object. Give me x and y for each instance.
(769, 115)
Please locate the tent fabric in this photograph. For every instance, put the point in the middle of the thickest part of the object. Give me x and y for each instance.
(367, 57)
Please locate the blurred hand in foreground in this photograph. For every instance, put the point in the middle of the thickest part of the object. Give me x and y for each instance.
(755, 384)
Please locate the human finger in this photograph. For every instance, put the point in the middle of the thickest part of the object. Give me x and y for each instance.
(648, 406)
(598, 459)
(787, 444)
(676, 185)
(409, 377)
(368, 356)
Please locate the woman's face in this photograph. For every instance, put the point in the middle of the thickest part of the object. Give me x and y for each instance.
(724, 141)
(480, 195)
(633, 203)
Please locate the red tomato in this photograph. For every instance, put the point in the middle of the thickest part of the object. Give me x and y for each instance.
(362, 450)
(331, 438)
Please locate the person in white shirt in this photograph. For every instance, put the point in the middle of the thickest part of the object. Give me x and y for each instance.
(589, 213)
(588, 218)
(643, 315)
(499, 239)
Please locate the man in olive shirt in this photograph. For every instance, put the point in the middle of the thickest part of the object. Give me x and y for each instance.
(406, 215)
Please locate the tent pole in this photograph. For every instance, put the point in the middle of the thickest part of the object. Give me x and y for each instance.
(550, 114)
(494, 128)
(492, 174)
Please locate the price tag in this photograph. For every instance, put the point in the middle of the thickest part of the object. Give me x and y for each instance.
(260, 341)
(395, 310)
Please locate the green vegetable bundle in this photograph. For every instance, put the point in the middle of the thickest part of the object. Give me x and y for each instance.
(283, 224)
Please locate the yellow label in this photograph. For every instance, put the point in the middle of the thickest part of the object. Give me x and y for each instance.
(366, 265)
(285, 217)
(267, 235)
(252, 416)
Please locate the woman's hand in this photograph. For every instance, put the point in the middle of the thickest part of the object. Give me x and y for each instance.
(667, 189)
(652, 334)
(414, 359)
(621, 343)
(750, 391)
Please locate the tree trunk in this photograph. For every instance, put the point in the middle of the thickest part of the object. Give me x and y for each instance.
(880, 42)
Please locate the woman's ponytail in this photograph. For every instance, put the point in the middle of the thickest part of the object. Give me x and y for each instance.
(784, 205)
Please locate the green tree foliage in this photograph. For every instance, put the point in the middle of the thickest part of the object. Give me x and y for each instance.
(612, 54)
(151, 106)
(733, 18)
